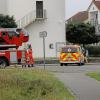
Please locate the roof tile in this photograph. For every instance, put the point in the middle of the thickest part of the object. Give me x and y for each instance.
(97, 3)
(79, 17)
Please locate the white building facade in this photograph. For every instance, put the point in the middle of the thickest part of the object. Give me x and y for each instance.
(94, 15)
(37, 16)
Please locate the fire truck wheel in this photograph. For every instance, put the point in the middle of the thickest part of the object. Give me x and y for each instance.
(66, 64)
(79, 64)
(3, 63)
(61, 64)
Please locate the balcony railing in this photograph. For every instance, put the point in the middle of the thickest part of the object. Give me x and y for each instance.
(31, 17)
(26, 20)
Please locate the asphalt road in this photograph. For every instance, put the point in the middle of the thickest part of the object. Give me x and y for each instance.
(74, 77)
(71, 68)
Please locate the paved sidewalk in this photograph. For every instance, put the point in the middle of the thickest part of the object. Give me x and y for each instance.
(84, 87)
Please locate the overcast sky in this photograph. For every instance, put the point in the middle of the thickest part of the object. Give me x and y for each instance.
(74, 6)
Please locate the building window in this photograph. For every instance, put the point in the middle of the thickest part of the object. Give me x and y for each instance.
(94, 17)
(39, 9)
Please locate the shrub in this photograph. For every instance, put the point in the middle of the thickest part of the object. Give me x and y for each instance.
(7, 21)
(93, 50)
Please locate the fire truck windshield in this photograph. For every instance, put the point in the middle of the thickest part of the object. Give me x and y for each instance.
(71, 50)
(12, 33)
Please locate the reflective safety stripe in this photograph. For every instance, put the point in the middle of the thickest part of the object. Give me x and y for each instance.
(63, 56)
(75, 56)
(69, 57)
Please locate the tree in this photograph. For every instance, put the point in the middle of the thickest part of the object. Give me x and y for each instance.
(81, 33)
(7, 22)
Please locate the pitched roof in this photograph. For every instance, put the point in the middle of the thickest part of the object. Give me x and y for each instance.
(79, 17)
(97, 3)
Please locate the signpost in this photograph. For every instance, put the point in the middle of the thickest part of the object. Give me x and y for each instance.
(43, 35)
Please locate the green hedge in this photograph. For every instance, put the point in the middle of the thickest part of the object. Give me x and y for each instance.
(93, 50)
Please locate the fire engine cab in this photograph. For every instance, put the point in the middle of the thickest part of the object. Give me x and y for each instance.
(11, 39)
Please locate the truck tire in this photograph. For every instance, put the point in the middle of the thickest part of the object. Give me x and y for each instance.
(79, 64)
(61, 64)
(3, 63)
(65, 64)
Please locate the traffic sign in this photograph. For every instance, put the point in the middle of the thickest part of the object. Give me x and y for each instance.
(43, 34)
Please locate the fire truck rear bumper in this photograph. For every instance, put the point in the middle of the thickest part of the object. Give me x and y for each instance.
(69, 62)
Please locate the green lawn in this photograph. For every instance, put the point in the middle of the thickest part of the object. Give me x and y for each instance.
(27, 84)
(95, 75)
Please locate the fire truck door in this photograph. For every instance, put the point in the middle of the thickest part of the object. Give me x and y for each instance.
(13, 57)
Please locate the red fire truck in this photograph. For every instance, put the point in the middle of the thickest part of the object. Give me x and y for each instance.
(11, 39)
